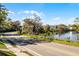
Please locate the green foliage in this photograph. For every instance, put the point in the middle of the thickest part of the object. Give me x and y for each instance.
(5, 23)
(47, 28)
(32, 25)
(76, 20)
(75, 27)
(67, 42)
(2, 46)
(7, 53)
(3, 13)
(3, 16)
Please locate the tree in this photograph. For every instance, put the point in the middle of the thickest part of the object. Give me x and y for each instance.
(32, 25)
(76, 20)
(6, 25)
(3, 13)
(47, 28)
(76, 25)
(15, 25)
(27, 26)
(3, 17)
(61, 28)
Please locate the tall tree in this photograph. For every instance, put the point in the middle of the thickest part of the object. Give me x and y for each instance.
(76, 20)
(16, 25)
(32, 25)
(76, 25)
(47, 28)
(3, 16)
(3, 13)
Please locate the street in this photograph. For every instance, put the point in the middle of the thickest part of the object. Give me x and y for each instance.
(45, 48)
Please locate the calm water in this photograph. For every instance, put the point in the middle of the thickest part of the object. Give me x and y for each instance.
(72, 36)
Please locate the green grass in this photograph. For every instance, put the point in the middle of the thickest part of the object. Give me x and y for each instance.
(77, 34)
(7, 53)
(2, 46)
(66, 41)
(3, 37)
(14, 32)
(26, 35)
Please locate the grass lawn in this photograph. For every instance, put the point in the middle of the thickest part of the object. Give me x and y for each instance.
(6, 53)
(2, 46)
(67, 42)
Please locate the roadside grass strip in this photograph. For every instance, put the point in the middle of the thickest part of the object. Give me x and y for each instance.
(2, 46)
(6, 53)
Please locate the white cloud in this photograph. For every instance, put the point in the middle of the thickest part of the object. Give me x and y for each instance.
(71, 20)
(26, 11)
(11, 12)
(60, 20)
(28, 17)
(52, 21)
(33, 12)
(56, 18)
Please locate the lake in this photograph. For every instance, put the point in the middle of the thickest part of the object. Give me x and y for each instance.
(72, 36)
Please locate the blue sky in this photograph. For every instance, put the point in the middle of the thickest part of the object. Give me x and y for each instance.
(51, 13)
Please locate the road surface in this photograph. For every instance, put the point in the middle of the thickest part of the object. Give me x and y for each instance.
(43, 49)
(50, 49)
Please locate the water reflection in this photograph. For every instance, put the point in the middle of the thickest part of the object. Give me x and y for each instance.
(72, 36)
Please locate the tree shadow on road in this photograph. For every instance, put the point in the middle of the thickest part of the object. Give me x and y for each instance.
(20, 41)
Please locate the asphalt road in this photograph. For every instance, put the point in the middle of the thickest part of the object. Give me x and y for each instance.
(52, 49)
(44, 49)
